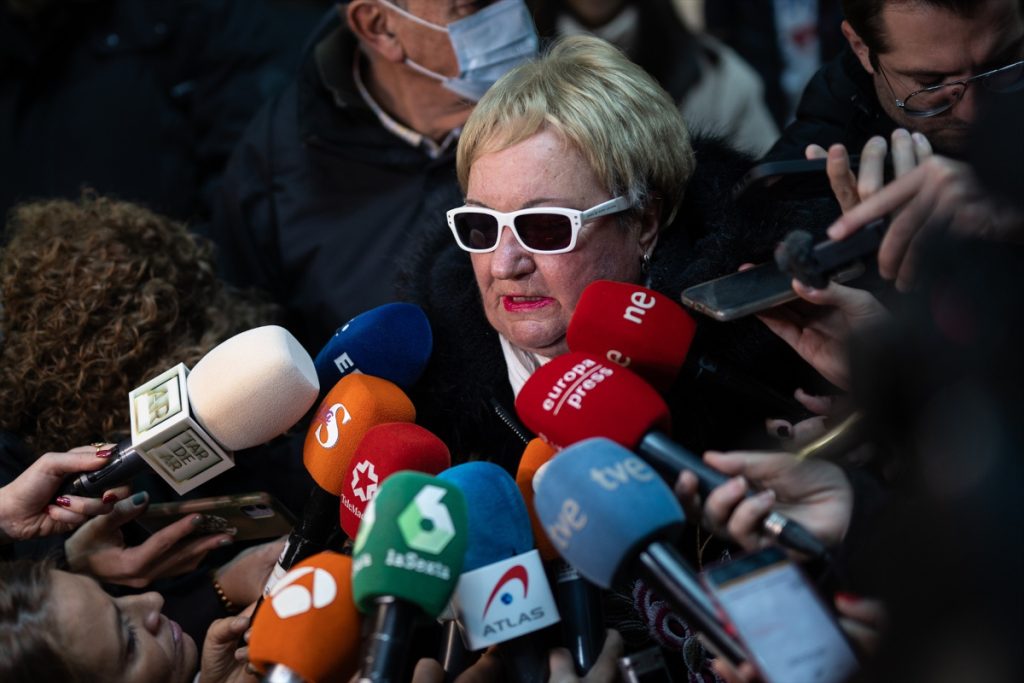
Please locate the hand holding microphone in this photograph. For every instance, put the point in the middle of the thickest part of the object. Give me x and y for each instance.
(27, 505)
(577, 396)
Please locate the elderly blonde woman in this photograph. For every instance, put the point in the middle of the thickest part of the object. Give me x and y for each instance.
(583, 133)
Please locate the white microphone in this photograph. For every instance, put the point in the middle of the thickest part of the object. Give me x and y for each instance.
(185, 425)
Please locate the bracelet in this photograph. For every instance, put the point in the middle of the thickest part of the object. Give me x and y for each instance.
(229, 606)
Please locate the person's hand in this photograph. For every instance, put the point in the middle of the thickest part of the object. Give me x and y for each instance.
(242, 579)
(744, 673)
(98, 548)
(27, 505)
(940, 195)
(487, 669)
(818, 333)
(863, 620)
(908, 152)
(814, 493)
(222, 660)
(605, 668)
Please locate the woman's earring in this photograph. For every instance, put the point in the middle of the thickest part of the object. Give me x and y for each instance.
(645, 263)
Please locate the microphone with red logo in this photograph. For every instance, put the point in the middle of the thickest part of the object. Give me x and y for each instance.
(384, 450)
(579, 601)
(651, 334)
(355, 405)
(185, 425)
(634, 327)
(406, 560)
(503, 597)
(578, 396)
(307, 628)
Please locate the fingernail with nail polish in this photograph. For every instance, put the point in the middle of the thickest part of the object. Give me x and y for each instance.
(139, 498)
(63, 501)
(104, 453)
(224, 541)
(109, 498)
(197, 520)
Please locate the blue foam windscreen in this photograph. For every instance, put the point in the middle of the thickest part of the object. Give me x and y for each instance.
(392, 342)
(599, 504)
(499, 524)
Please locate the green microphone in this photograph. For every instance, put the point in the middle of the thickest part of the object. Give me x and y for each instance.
(406, 561)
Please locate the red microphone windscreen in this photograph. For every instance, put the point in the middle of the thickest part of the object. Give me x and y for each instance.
(536, 454)
(632, 326)
(309, 622)
(577, 396)
(354, 405)
(386, 449)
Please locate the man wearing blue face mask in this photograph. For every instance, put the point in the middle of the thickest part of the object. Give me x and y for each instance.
(335, 177)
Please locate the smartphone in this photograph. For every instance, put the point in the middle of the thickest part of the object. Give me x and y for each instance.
(254, 515)
(793, 179)
(788, 633)
(750, 291)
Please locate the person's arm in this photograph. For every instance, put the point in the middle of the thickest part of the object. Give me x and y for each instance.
(30, 507)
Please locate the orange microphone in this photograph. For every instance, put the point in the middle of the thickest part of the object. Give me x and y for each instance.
(356, 404)
(308, 628)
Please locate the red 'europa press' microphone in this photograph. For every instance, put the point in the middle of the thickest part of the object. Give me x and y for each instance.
(579, 601)
(307, 629)
(384, 450)
(185, 425)
(349, 410)
(634, 327)
(578, 396)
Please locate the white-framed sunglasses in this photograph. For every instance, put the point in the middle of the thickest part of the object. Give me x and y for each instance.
(540, 230)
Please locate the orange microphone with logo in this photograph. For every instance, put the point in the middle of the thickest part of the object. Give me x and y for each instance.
(308, 628)
(350, 409)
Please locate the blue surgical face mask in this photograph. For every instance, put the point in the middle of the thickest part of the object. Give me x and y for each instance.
(487, 44)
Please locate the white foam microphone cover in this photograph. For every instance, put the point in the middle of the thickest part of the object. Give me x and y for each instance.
(253, 387)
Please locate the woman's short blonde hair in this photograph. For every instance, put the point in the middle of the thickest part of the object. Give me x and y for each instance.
(623, 123)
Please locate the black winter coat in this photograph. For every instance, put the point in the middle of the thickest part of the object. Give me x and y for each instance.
(320, 201)
(840, 105)
(465, 396)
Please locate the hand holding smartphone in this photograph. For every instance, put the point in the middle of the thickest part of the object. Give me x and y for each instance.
(252, 515)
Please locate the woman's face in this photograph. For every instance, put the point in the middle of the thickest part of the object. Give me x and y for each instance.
(527, 297)
(120, 639)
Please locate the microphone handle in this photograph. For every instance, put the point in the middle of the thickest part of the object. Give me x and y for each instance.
(669, 458)
(525, 659)
(662, 565)
(582, 611)
(385, 649)
(455, 658)
(279, 673)
(124, 465)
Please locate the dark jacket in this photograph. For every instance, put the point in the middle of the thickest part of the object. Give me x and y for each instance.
(839, 105)
(320, 200)
(140, 100)
(465, 396)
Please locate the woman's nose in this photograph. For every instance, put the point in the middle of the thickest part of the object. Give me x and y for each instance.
(510, 259)
(146, 608)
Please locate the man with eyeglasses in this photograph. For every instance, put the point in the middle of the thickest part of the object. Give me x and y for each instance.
(913, 64)
(337, 176)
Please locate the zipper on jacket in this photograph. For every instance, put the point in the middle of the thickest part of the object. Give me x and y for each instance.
(511, 422)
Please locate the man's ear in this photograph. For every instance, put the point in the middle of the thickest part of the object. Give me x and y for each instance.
(371, 24)
(859, 47)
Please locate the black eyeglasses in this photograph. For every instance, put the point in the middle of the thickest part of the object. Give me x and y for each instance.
(939, 98)
(541, 230)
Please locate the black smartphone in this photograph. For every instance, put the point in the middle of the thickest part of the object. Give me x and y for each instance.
(793, 179)
(789, 634)
(750, 291)
(252, 515)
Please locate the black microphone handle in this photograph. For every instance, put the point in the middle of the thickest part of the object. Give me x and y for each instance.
(669, 458)
(582, 611)
(525, 659)
(454, 656)
(313, 533)
(665, 569)
(279, 673)
(125, 463)
(386, 647)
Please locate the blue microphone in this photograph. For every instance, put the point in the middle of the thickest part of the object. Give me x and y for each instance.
(609, 514)
(392, 342)
(503, 596)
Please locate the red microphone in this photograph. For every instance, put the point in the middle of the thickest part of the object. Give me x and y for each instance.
(578, 396)
(634, 327)
(384, 450)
